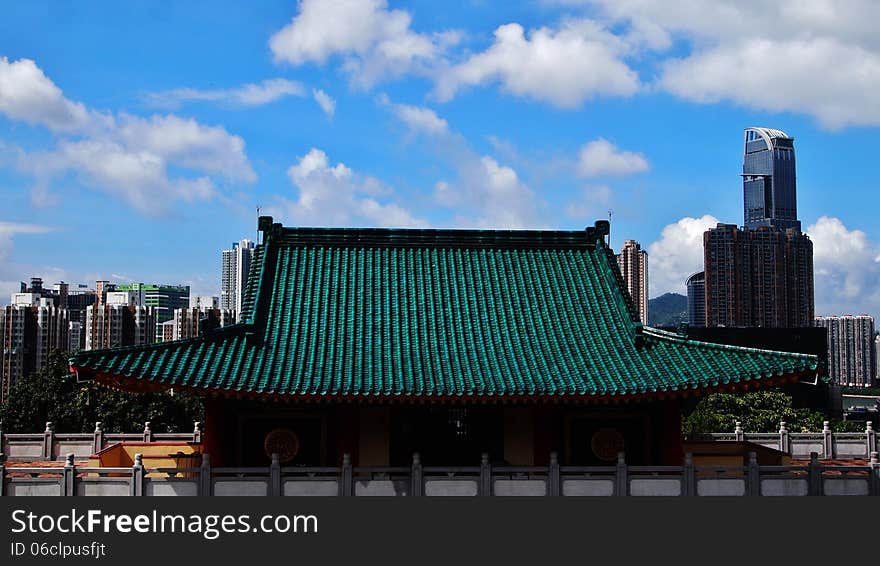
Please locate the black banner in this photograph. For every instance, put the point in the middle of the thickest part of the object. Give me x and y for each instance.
(251, 531)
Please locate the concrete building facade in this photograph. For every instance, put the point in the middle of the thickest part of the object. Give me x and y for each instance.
(633, 263)
(851, 349)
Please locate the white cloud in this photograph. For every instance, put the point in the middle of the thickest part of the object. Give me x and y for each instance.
(846, 265)
(128, 156)
(823, 77)
(818, 57)
(374, 41)
(327, 104)
(251, 94)
(334, 195)
(419, 119)
(677, 254)
(489, 195)
(565, 66)
(601, 157)
(28, 95)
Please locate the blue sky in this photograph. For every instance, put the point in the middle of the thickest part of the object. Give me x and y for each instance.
(137, 139)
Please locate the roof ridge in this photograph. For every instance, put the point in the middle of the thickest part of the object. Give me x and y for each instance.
(667, 335)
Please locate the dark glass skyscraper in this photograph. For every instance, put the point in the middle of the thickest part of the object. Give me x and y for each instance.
(769, 186)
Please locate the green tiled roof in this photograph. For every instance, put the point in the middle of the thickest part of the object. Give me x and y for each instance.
(438, 313)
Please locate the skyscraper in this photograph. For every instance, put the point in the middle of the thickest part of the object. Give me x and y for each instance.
(633, 263)
(696, 290)
(762, 274)
(769, 187)
(850, 349)
(236, 265)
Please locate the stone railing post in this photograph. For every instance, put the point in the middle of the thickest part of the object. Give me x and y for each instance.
(148, 434)
(814, 485)
(2, 478)
(874, 480)
(870, 438)
(621, 484)
(688, 476)
(485, 475)
(205, 480)
(48, 441)
(784, 439)
(137, 475)
(69, 487)
(197, 432)
(738, 432)
(554, 479)
(346, 485)
(97, 438)
(753, 475)
(275, 475)
(827, 440)
(417, 487)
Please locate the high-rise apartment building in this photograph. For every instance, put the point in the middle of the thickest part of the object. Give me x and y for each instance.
(633, 263)
(761, 275)
(851, 349)
(236, 266)
(696, 302)
(110, 326)
(877, 360)
(30, 329)
(194, 322)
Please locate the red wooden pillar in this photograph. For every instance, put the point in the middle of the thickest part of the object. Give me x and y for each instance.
(215, 437)
(347, 433)
(673, 452)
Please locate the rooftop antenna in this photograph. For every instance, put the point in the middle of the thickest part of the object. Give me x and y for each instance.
(610, 214)
(259, 234)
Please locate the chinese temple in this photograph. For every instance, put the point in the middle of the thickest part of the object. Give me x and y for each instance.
(452, 343)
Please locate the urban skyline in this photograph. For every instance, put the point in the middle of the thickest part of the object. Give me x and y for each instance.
(335, 134)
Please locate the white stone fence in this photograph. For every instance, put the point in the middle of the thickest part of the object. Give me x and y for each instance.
(485, 479)
(50, 445)
(829, 445)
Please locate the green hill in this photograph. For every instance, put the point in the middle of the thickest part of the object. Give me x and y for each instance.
(667, 310)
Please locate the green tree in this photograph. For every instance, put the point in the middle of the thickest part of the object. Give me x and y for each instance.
(758, 411)
(52, 394)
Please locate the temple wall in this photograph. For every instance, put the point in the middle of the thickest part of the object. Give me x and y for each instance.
(373, 443)
(519, 436)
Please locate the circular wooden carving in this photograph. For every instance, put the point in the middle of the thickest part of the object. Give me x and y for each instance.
(282, 441)
(606, 443)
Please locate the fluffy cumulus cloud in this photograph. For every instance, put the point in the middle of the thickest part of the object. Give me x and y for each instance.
(28, 95)
(677, 254)
(374, 41)
(334, 195)
(600, 157)
(147, 162)
(327, 104)
(565, 66)
(251, 94)
(846, 264)
(820, 58)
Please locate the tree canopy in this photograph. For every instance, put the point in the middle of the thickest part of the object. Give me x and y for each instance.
(52, 394)
(758, 411)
